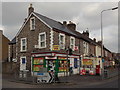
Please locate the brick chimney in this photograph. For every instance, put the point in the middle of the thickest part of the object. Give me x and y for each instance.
(30, 9)
(94, 39)
(99, 42)
(71, 26)
(64, 23)
(86, 33)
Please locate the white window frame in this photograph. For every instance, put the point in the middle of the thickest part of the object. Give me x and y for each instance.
(61, 34)
(22, 45)
(42, 41)
(22, 63)
(32, 26)
(72, 43)
(85, 48)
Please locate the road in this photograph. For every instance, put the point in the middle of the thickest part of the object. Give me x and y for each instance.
(109, 83)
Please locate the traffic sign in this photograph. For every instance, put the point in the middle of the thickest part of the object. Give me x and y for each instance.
(45, 77)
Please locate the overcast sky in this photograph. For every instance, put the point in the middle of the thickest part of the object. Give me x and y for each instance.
(84, 14)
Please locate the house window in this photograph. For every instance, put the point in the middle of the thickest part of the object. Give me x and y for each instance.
(32, 23)
(42, 40)
(62, 41)
(72, 43)
(23, 63)
(23, 44)
(85, 48)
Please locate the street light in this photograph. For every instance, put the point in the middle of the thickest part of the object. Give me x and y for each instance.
(102, 31)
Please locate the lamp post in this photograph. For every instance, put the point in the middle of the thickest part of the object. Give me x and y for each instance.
(102, 31)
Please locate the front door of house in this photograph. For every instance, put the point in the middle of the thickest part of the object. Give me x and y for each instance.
(23, 63)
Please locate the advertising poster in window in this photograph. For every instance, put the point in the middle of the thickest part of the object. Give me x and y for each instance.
(37, 68)
(38, 60)
(37, 64)
(62, 65)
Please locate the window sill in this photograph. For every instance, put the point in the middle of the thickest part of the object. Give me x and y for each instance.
(23, 51)
(32, 29)
(42, 47)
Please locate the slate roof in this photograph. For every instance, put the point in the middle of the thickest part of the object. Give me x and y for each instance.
(54, 24)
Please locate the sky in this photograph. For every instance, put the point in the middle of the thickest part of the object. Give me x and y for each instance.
(83, 14)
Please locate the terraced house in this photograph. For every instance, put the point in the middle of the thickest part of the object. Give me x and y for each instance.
(43, 43)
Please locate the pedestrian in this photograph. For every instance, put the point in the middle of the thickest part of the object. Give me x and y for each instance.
(71, 71)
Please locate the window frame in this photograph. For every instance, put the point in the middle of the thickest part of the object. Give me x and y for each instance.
(43, 33)
(31, 24)
(22, 44)
(85, 48)
(73, 42)
(61, 34)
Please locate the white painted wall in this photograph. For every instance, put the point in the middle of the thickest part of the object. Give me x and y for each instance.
(98, 51)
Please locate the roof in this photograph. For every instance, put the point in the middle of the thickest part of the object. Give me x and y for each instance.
(57, 25)
(13, 41)
(54, 24)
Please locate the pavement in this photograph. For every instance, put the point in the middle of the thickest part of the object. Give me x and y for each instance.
(73, 81)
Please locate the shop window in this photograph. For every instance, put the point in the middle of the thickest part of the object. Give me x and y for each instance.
(42, 40)
(23, 44)
(62, 65)
(38, 64)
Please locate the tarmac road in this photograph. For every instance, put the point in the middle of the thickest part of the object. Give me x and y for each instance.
(85, 83)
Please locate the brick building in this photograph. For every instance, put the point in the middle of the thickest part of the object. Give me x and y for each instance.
(45, 43)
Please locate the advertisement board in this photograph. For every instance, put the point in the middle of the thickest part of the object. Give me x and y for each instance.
(37, 64)
(56, 47)
(87, 62)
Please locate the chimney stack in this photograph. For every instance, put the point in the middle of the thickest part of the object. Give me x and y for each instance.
(86, 33)
(94, 39)
(64, 23)
(71, 26)
(30, 10)
(99, 42)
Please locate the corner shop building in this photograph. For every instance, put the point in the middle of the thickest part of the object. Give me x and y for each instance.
(55, 62)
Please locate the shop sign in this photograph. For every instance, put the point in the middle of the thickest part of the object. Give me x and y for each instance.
(76, 48)
(50, 57)
(56, 47)
(87, 62)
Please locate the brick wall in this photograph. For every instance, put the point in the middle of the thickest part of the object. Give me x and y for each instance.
(32, 39)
